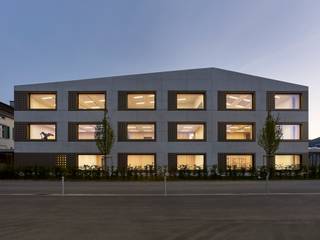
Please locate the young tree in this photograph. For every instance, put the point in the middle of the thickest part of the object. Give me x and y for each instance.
(270, 137)
(104, 137)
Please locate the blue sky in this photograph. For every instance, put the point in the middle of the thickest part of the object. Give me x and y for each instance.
(55, 40)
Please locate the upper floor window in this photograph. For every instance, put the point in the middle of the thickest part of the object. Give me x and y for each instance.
(290, 131)
(288, 161)
(141, 100)
(140, 131)
(42, 132)
(190, 101)
(42, 101)
(191, 131)
(239, 161)
(239, 131)
(91, 101)
(86, 131)
(239, 101)
(4, 132)
(190, 161)
(285, 101)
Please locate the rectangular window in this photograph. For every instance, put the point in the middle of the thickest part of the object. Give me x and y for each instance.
(42, 101)
(91, 101)
(190, 131)
(141, 101)
(140, 161)
(5, 132)
(190, 101)
(287, 101)
(86, 131)
(140, 131)
(190, 161)
(290, 131)
(289, 162)
(234, 161)
(239, 132)
(42, 132)
(239, 101)
(89, 161)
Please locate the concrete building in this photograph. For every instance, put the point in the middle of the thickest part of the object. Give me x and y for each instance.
(6, 134)
(191, 118)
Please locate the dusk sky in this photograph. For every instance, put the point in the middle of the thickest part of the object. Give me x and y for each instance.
(43, 41)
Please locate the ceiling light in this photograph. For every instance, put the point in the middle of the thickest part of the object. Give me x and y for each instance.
(137, 97)
(95, 107)
(232, 97)
(277, 97)
(246, 100)
(139, 103)
(131, 127)
(46, 98)
(146, 127)
(151, 95)
(181, 99)
(88, 101)
(102, 100)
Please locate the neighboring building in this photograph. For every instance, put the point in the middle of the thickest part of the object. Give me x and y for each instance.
(314, 152)
(197, 117)
(6, 134)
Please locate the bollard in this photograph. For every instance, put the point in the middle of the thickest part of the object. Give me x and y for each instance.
(267, 183)
(62, 185)
(165, 184)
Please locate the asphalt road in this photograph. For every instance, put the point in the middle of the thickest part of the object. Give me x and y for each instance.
(292, 213)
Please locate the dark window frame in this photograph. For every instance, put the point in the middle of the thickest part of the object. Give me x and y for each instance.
(42, 123)
(222, 100)
(90, 92)
(204, 93)
(42, 109)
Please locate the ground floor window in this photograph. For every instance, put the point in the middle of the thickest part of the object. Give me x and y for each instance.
(87, 161)
(140, 161)
(43, 132)
(190, 161)
(241, 161)
(290, 162)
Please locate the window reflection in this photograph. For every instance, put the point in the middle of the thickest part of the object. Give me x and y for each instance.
(290, 132)
(287, 101)
(190, 101)
(86, 131)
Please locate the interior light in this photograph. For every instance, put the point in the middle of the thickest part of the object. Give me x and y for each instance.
(139, 103)
(181, 99)
(232, 97)
(151, 95)
(46, 98)
(137, 97)
(246, 100)
(146, 127)
(277, 97)
(132, 127)
(102, 100)
(95, 107)
(88, 101)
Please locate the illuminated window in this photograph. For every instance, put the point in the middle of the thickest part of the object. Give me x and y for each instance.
(44, 132)
(190, 161)
(190, 101)
(291, 162)
(141, 131)
(239, 161)
(290, 132)
(86, 131)
(42, 101)
(190, 131)
(91, 101)
(141, 101)
(239, 101)
(287, 101)
(239, 131)
(140, 161)
(85, 161)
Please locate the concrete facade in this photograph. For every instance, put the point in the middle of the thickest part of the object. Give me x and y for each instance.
(210, 80)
